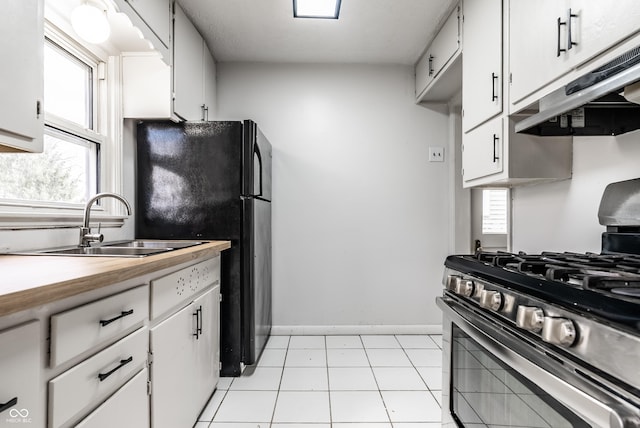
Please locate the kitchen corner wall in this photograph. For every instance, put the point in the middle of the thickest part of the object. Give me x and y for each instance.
(360, 217)
(563, 216)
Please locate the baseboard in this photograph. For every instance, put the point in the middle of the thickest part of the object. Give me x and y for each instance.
(324, 330)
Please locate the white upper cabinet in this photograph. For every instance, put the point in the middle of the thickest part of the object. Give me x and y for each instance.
(435, 78)
(482, 151)
(188, 68)
(154, 19)
(481, 62)
(186, 91)
(157, 15)
(550, 38)
(22, 76)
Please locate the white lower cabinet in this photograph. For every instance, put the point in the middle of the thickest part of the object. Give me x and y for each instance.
(494, 155)
(20, 349)
(185, 368)
(127, 408)
(81, 388)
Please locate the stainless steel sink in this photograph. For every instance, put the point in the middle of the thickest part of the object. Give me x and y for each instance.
(132, 248)
(141, 243)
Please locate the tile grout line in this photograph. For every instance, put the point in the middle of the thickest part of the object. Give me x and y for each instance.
(375, 379)
(275, 404)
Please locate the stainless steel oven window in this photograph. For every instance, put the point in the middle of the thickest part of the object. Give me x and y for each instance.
(485, 392)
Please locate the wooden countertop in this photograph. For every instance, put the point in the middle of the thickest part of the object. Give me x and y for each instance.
(28, 281)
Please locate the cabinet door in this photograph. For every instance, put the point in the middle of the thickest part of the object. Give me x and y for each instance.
(22, 76)
(157, 15)
(482, 153)
(20, 374)
(187, 68)
(209, 75)
(184, 371)
(206, 358)
(446, 43)
(533, 45)
(481, 62)
(597, 26)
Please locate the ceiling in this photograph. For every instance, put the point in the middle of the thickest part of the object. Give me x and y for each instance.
(368, 31)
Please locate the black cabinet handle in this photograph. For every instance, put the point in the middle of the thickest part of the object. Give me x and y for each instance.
(122, 315)
(494, 79)
(495, 148)
(103, 376)
(560, 24)
(198, 315)
(8, 404)
(570, 43)
(431, 70)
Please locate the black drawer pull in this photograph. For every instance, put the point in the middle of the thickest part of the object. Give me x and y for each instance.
(494, 80)
(8, 404)
(122, 315)
(103, 376)
(495, 147)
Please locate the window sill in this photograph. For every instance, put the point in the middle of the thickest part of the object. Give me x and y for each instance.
(37, 217)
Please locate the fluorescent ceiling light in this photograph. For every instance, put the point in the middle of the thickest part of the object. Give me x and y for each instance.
(89, 21)
(316, 9)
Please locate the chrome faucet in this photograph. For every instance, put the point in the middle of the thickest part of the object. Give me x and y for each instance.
(86, 237)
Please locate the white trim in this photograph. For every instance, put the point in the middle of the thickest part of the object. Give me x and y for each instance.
(323, 330)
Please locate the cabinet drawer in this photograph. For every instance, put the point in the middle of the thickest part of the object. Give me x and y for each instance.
(19, 376)
(171, 290)
(128, 407)
(82, 387)
(79, 329)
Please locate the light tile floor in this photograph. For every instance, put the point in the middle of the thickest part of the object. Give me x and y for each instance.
(369, 381)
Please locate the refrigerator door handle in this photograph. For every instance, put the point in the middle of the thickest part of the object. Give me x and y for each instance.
(256, 153)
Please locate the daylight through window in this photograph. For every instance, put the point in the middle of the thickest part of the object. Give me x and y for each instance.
(494, 211)
(66, 171)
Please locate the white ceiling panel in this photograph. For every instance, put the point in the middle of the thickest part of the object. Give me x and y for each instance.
(368, 31)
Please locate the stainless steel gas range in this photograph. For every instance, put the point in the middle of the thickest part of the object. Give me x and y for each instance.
(549, 339)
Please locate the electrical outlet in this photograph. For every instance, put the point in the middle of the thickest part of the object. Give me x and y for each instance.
(436, 154)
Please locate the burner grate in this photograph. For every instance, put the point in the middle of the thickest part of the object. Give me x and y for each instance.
(617, 274)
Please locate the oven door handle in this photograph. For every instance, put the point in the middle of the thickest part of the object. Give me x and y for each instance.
(596, 412)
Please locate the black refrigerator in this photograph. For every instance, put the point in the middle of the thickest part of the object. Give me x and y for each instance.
(212, 180)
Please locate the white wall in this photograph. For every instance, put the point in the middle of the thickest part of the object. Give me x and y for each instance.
(563, 216)
(360, 217)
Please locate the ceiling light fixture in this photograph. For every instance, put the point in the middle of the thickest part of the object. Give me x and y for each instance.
(327, 9)
(89, 21)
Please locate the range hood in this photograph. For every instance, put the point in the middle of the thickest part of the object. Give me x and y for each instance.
(602, 102)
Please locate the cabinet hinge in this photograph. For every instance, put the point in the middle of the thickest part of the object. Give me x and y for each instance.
(462, 172)
(148, 387)
(219, 365)
(221, 297)
(510, 78)
(38, 109)
(149, 358)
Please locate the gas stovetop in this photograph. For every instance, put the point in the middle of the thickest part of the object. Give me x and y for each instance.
(602, 286)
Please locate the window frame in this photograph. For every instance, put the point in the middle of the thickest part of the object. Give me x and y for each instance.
(107, 124)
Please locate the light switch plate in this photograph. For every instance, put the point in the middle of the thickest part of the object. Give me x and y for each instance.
(436, 154)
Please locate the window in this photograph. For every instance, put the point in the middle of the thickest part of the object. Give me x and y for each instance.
(67, 171)
(494, 211)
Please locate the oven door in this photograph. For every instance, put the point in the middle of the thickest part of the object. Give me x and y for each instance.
(494, 377)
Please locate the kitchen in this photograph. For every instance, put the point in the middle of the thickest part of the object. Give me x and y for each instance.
(363, 221)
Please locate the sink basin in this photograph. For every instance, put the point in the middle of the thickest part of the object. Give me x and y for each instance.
(107, 251)
(132, 248)
(142, 243)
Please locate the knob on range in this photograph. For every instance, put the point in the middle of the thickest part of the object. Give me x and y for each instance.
(465, 287)
(491, 300)
(530, 318)
(460, 286)
(559, 331)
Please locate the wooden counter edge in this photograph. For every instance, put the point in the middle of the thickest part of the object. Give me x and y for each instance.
(108, 271)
